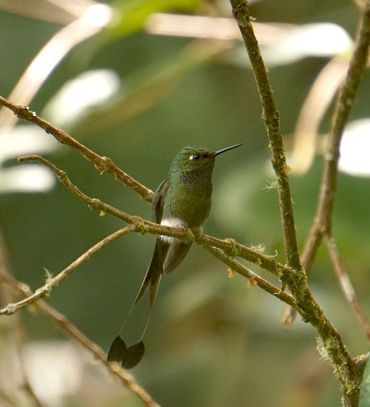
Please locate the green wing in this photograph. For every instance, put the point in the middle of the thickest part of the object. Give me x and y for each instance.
(158, 200)
(168, 257)
(153, 274)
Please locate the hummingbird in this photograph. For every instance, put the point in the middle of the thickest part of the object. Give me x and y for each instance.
(182, 200)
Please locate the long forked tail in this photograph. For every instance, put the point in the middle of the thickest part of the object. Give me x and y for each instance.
(166, 257)
(130, 356)
(154, 272)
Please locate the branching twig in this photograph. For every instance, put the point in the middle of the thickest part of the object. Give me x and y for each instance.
(261, 282)
(102, 164)
(72, 331)
(55, 281)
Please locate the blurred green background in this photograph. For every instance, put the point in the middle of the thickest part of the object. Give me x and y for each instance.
(212, 340)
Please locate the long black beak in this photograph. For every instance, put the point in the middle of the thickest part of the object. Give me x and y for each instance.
(227, 149)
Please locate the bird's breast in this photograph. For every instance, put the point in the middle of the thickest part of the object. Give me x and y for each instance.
(191, 209)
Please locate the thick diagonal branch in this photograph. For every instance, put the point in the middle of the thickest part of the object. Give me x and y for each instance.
(272, 123)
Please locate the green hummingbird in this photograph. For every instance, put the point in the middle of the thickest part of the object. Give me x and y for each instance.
(181, 200)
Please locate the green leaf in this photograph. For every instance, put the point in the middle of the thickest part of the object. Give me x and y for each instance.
(365, 387)
(131, 15)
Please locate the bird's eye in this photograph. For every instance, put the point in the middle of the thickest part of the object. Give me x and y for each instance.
(194, 157)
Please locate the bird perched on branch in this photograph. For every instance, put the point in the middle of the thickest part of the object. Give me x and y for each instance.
(181, 200)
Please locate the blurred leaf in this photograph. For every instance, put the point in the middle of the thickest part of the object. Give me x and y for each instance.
(25, 139)
(77, 96)
(354, 149)
(365, 387)
(55, 369)
(132, 14)
(320, 39)
(22, 140)
(319, 98)
(297, 42)
(26, 178)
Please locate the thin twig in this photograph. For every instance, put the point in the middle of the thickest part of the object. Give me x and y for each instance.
(241, 269)
(346, 284)
(101, 163)
(235, 249)
(311, 246)
(55, 281)
(72, 331)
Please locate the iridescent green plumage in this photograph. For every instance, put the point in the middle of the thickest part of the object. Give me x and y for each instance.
(181, 200)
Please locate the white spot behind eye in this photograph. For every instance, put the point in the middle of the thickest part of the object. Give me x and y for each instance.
(194, 157)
